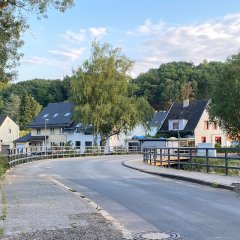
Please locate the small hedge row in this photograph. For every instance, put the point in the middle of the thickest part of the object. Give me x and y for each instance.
(214, 170)
(3, 165)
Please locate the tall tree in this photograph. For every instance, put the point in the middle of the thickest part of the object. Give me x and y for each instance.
(29, 108)
(103, 95)
(10, 42)
(11, 107)
(225, 98)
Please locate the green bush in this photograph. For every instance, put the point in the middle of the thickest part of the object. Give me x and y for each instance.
(3, 165)
(214, 162)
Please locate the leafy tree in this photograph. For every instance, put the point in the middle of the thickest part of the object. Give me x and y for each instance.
(103, 96)
(225, 98)
(38, 7)
(29, 108)
(10, 42)
(12, 24)
(11, 107)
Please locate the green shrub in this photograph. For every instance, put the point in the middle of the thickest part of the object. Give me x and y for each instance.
(3, 165)
(214, 162)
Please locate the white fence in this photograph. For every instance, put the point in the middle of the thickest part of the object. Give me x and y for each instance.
(23, 155)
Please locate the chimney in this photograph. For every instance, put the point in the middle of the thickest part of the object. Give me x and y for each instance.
(186, 102)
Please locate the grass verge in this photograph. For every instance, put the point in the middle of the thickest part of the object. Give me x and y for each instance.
(214, 170)
(3, 165)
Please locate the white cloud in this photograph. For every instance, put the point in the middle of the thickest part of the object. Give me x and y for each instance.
(39, 61)
(75, 37)
(84, 34)
(215, 39)
(97, 32)
(68, 54)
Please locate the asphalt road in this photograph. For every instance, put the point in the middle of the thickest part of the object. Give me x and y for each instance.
(143, 202)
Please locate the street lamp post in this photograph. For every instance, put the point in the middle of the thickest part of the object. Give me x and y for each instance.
(45, 140)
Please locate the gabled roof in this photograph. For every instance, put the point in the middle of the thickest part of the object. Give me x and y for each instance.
(2, 119)
(54, 115)
(158, 119)
(192, 113)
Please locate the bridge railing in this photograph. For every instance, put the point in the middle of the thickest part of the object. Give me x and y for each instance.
(211, 160)
(18, 156)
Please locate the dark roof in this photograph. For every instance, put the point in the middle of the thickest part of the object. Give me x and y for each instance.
(37, 138)
(192, 113)
(55, 115)
(158, 119)
(29, 138)
(24, 138)
(2, 118)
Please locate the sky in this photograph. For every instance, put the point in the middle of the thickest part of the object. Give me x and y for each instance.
(149, 32)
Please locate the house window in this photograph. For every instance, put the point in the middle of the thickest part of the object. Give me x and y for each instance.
(9, 130)
(87, 133)
(218, 140)
(66, 114)
(214, 125)
(61, 144)
(175, 126)
(88, 144)
(55, 115)
(204, 139)
(77, 144)
(53, 144)
(38, 131)
(60, 130)
(51, 130)
(206, 125)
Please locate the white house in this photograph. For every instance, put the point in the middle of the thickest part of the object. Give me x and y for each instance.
(9, 131)
(190, 120)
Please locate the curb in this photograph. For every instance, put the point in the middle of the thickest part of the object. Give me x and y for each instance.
(127, 235)
(186, 179)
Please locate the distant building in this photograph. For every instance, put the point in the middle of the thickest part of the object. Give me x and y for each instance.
(157, 122)
(9, 131)
(55, 125)
(190, 120)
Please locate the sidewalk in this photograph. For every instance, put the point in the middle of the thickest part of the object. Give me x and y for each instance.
(218, 181)
(38, 208)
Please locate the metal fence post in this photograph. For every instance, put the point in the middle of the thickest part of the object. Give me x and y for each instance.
(207, 161)
(226, 161)
(178, 155)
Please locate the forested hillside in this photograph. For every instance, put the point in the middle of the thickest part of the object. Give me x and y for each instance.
(165, 85)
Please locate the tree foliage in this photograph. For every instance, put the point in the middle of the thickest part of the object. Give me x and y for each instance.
(12, 24)
(166, 84)
(36, 6)
(10, 42)
(225, 98)
(42, 90)
(11, 107)
(103, 96)
(29, 109)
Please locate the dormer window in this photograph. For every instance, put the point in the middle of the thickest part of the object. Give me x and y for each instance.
(45, 115)
(175, 126)
(55, 115)
(66, 114)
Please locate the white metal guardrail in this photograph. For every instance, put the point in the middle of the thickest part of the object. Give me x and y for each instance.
(23, 155)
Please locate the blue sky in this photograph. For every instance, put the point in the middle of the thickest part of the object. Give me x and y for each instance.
(150, 32)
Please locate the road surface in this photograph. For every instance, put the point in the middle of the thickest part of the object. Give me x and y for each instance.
(142, 202)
